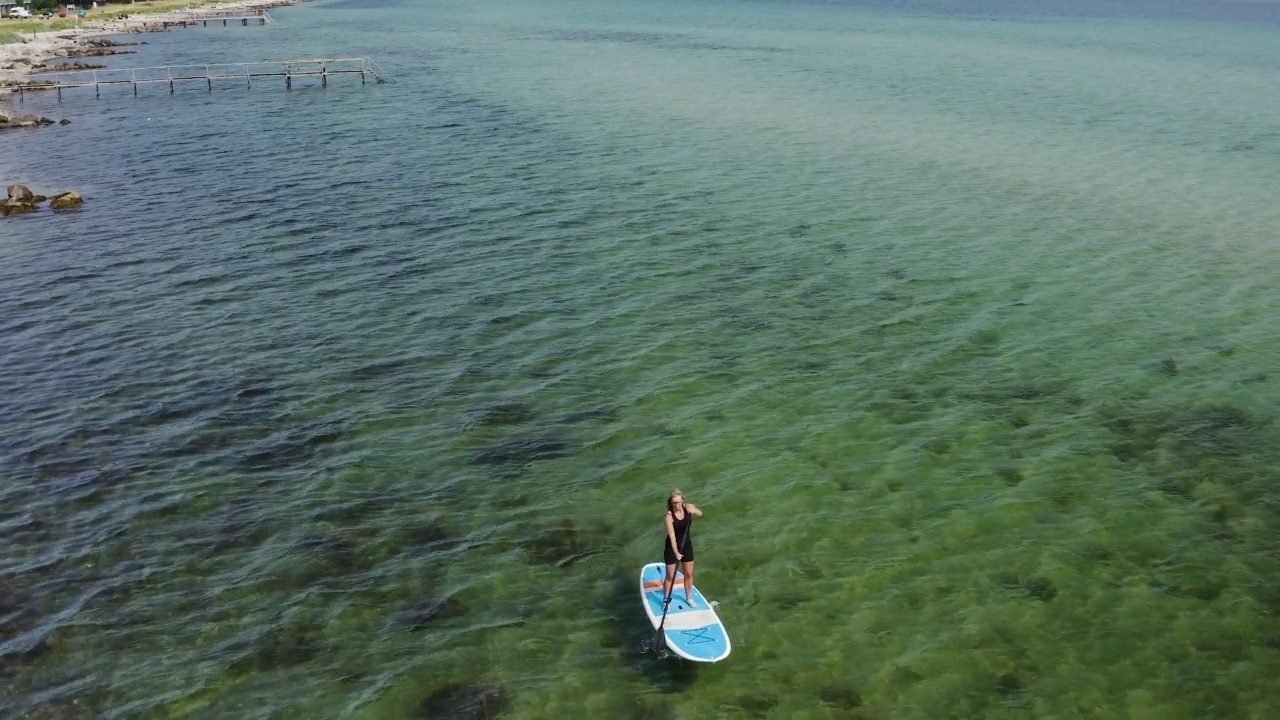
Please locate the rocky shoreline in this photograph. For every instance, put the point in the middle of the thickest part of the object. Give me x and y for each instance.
(79, 47)
(19, 61)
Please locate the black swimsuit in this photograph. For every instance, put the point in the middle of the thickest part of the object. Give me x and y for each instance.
(682, 534)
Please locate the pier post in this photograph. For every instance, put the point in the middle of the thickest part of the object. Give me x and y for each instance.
(288, 79)
(96, 93)
(208, 77)
(324, 76)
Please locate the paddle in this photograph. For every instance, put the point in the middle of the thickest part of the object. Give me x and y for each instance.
(666, 602)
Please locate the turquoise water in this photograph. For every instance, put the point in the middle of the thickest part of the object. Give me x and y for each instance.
(364, 401)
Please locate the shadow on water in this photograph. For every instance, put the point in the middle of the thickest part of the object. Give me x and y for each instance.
(634, 635)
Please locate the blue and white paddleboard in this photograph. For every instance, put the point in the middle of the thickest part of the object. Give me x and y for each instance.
(693, 633)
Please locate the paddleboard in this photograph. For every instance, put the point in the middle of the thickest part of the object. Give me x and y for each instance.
(693, 633)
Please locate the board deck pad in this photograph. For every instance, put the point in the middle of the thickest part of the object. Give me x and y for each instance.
(693, 633)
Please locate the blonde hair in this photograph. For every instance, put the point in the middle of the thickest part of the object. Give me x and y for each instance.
(677, 491)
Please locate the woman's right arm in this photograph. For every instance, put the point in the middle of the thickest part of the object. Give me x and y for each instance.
(671, 535)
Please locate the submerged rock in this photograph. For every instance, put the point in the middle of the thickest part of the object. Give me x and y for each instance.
(1214, 418)
(379, 369)
(1040, 588)
(291, 448)
(1011, 474)
(1036, 587)
(560, 543)
(756, 703)
(520, 451)
(434, 533)
(505, 413)
(283, 647)
(464, 702)
(428, 611)
(1009, 685)
(13, 603)
(600, 412)
(840, 697)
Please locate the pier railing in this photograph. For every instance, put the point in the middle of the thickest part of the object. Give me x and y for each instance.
(207, 74)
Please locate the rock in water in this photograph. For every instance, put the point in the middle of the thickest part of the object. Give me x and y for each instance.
(14, 207)
(64, 121)
(21, 193)
(65, 200)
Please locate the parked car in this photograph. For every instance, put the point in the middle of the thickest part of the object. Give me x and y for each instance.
(19, 13)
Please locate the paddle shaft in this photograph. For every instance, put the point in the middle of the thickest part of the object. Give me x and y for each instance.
(666, 602)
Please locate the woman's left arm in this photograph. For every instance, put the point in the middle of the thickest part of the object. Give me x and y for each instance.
(693, 509)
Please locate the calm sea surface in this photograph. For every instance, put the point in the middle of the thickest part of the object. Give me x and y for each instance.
(959, 321)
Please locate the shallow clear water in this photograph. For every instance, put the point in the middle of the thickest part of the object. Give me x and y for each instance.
(364, 401)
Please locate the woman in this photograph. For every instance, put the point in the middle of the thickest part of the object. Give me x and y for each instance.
(679, 545)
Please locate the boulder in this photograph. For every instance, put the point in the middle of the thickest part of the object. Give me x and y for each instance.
(46, 121)
(4, 119)
(15, 207)
(65, 200)
(21, 193)
(39, 199)
(64, 121)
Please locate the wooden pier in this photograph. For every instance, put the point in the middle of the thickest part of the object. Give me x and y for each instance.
(226, 17)
(246, 73)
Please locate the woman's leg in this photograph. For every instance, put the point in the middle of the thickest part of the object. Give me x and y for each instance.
(687, 569)
(668, 581)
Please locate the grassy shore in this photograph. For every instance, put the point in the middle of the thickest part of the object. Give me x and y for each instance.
(14, 32)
